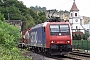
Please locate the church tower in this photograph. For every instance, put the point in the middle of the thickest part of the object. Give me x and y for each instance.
(75, 19)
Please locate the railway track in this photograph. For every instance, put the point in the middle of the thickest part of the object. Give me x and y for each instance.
(80, 54)
(65, 58)
(71, 56)
(57, 57)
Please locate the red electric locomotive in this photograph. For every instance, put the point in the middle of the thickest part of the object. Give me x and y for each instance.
(54, 38)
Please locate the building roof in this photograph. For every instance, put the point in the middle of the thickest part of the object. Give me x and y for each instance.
(74, 7)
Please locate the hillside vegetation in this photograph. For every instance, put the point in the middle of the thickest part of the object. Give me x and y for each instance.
(63, 14)
(9, 37)
(16, 10)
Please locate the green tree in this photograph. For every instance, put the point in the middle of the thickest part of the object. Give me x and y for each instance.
(38, 8)
(2, 17)
(29, 22)
(16, 10)
(76, 37)
(34, 15)
(42, 17)
(79, 37)
(84, 37)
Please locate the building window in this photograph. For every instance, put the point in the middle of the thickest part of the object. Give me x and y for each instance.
(75, 14)
(76, 27)
(71, 14)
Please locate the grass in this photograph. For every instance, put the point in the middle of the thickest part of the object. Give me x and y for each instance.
(14, 54)
(81, 44)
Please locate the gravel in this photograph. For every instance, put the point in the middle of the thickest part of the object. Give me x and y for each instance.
(35, 56)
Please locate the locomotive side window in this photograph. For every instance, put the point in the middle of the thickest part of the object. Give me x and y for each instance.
(54, 28)
(44, 29)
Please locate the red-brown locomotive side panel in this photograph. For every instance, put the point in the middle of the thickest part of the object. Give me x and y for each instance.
(47, 36)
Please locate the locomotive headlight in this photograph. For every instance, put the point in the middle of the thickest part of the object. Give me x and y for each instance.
(68, 41)
(52, 41)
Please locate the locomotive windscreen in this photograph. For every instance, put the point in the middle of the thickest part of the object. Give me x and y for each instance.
(59, 29)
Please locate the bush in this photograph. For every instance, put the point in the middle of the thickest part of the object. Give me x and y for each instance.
(9, 35)
(77, 37)
(14, 54)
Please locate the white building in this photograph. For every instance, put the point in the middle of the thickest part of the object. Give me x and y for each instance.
(75, 20)
(87, 27)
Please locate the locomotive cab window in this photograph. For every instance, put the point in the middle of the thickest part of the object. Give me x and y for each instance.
(64, 28)
(54, 28)
(59, 29)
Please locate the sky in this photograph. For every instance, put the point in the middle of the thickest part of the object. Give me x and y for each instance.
(82, 5)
